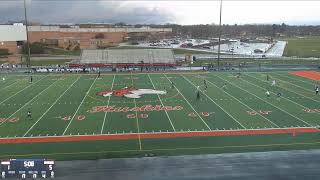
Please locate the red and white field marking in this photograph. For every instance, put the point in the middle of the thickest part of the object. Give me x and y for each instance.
(267, 101)
(65, 130)
(28, 102)
(162, 105)
(221, 89)
(216, 104)
(11, 120)
(137, 120)
(189, 104)
(285, 97)
(105, 114)
(140, 116)
(254, 113)
(203, 114)
(78, 118)
(311, 110)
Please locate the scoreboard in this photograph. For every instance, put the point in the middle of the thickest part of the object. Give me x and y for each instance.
(27, 168)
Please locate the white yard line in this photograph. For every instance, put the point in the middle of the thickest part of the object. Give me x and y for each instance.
(105, 114)
(244, 104)
(189, 104)
(74, 115)
(216, 104)
(162, 105)
(286, 90)
(28, 103)
(266, 101)
(137, 120)
(21, 90)
(51, 106)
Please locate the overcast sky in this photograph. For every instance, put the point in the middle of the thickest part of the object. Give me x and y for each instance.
(161, 12)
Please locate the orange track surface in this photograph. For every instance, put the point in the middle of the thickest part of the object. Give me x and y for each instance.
(308, 74)
(293, 131)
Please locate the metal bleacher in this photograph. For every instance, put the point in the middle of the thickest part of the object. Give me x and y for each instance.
(132, 56)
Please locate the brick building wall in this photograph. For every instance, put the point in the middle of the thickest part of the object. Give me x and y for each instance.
(83, 37)
(11, 46)
(88, 36)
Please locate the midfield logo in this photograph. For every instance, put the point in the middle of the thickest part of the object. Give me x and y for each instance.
(129, 92)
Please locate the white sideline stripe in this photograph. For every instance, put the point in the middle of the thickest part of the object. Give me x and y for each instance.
(216, 104)
(27, 103)
(79, 106)
(22, 90)
(289, 91)
(105, 114)
(189, 104)
(244, 104)
(162, 104)
(269, 102)
(294, 91)
(50, 107)
(137, 120)
(178, 132)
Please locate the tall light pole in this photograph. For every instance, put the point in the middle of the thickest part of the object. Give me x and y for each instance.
(219, 40)
(28, 44)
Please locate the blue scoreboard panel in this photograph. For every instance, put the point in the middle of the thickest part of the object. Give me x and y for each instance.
(27, 168)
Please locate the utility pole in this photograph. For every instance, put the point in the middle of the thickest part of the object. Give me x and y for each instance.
(28, 44)
(219, 40)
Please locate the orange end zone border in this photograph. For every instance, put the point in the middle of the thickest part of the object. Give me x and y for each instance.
(307, 74)
(160, 135)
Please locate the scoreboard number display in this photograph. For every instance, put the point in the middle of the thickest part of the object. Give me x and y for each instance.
(27, 168)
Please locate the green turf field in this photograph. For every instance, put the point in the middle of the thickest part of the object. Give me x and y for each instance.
(303, 47)
(67, 105)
